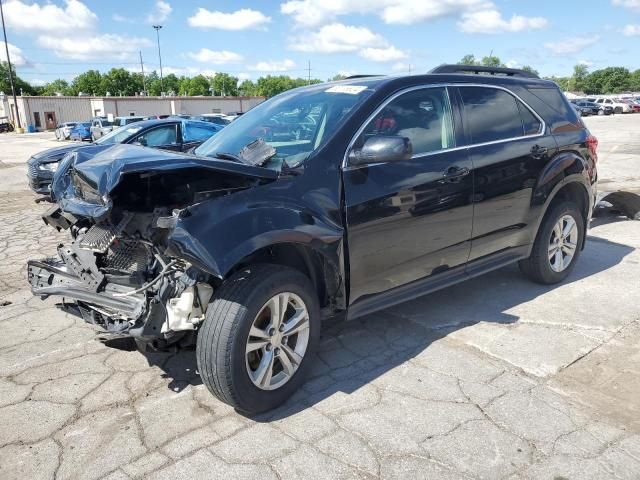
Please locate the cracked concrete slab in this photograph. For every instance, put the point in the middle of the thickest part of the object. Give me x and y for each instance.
(492, 378)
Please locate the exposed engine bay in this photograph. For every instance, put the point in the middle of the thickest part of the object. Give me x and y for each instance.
(117, 271)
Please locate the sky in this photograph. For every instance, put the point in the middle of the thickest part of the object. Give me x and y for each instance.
(62, 38)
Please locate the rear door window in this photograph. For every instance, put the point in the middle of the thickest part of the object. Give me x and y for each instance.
(530, 123)
(192, 132)
(491, 114)
(159, 137)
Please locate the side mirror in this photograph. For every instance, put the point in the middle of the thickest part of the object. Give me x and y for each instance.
(382, 148)
(140, 142)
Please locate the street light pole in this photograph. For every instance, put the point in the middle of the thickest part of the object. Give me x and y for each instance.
(13, 87)
(158, 27)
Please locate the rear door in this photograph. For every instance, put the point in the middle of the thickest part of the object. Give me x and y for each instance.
(411, 219)
(193, 134)
(509, 147)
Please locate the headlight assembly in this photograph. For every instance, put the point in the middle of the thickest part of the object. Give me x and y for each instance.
(50, 167)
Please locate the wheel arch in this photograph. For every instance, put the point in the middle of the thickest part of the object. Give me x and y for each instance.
(317, 266)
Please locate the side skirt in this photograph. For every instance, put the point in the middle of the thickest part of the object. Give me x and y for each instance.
(430, 284)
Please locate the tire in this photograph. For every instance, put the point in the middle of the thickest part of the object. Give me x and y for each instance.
(617, 110)
(237, 306)
(600, 113)
(538, 267)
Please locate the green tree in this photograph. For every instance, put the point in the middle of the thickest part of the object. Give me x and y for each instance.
(338, 76)
(468, 59)
(20, 84)
(529, 69)
(577, 82)
(199, 85)
(608, 80)
(491, 61)
(223, 83)
(119, 81)
(88, 82)
(56, 87)
(247, 88)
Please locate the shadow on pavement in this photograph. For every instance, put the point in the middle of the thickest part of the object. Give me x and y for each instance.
(352, 354)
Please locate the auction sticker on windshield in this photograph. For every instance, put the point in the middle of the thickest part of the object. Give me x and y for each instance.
(350, 89)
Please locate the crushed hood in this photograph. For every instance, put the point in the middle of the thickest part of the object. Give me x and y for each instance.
(86, 177)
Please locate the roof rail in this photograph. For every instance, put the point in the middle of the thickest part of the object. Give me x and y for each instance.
(351, 77)
(477, 69)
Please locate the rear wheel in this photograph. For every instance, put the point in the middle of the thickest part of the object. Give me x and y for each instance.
(557, 245)
(618, 110)
(260, 331)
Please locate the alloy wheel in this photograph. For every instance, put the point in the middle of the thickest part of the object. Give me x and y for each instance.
(277, 341)
(563, 243)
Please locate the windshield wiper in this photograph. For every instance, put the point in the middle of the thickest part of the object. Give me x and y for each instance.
(228, 156)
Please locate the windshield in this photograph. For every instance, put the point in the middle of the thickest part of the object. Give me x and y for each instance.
(294, 123)
(118, 135)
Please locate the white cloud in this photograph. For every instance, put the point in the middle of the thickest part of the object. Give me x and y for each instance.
(491, 21)
(93, 46)
(401, 67)
(570, 46)
(273, 66)
(121, 19)
(513, 64)
(387, 54)
(338, 38)
(37, 82)
(160, 12)
(48, 18)
(220, 57)
(243, 19)
(242, 76)
(313, 13)
(632, 4)
(631, 30)
(586, 63)
(17, 56)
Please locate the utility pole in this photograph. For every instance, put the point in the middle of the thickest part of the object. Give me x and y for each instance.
(144, 81)
(308, 72)
(13, 87)
(158, 27)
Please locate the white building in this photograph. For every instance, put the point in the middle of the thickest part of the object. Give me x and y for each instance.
(45, 113)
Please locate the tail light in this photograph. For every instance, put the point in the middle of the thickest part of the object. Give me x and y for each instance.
(592, 144)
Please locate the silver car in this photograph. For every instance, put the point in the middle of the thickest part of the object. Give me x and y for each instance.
(100, 126)
(63, 131)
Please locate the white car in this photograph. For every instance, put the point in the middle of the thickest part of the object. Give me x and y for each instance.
(63, 131)
(618, 106)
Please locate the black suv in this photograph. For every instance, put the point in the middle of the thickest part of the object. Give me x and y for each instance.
(327, 201)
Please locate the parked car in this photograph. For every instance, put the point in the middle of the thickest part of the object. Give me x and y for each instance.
(100, 126)
(590, 108)
(173, 134)
(5, 125)
(635, 107)
(373, 196)
(81, 132)
(217, 118)
(122, 121)
(63, 131)
(618, 107)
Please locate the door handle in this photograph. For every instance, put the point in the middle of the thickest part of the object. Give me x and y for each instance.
(538, 151)
(454, 173)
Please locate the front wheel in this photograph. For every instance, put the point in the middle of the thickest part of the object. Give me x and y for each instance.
(256, 343)
(557, 246)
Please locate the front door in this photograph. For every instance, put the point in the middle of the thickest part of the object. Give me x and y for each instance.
(409, 219)
(164, 137)
(50, 120)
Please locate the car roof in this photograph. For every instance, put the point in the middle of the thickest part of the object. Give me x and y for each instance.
(375, 82)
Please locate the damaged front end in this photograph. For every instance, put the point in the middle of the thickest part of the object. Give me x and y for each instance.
(121, 206)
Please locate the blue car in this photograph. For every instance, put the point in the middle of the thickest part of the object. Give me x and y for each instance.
(170, 134)
(82, 131)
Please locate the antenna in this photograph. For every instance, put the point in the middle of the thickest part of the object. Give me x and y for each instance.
(308, 72)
